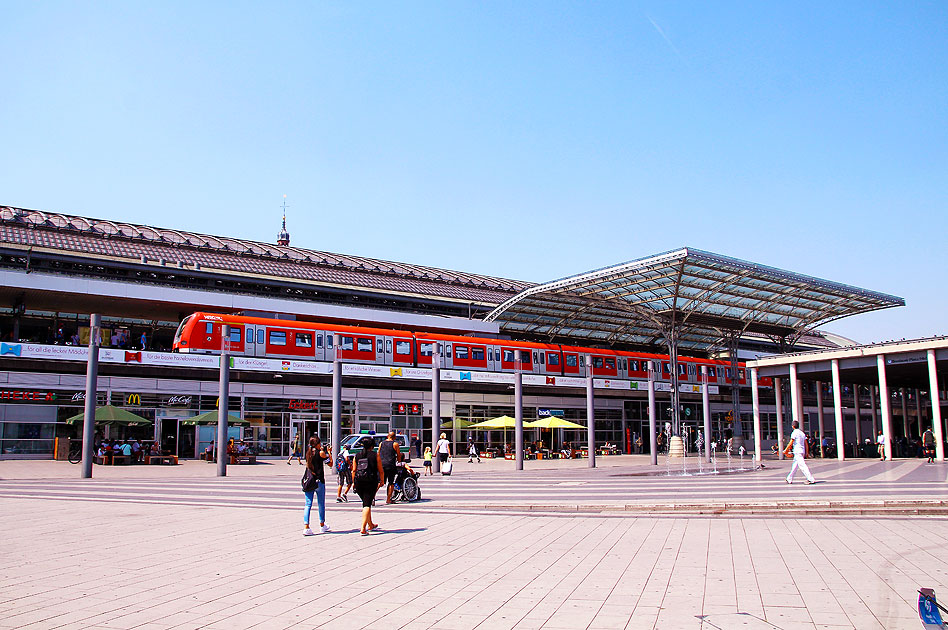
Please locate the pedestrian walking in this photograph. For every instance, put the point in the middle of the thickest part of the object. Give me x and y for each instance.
(344, 475)
(928, 445)
(296, 450)
(415, 445)
(428, 461)
(472, 451)
(444, 448)
(880, 445)
(316, 458)
(800, 448)
(367, 476)
(389, 454)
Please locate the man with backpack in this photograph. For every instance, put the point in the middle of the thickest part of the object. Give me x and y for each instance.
(344, 475)
(389, 454)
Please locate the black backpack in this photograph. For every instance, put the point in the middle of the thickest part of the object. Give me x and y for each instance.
(363, 471)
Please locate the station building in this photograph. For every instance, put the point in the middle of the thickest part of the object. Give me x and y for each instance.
(56, 269)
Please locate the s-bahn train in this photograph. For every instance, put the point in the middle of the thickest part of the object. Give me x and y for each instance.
(288, 339)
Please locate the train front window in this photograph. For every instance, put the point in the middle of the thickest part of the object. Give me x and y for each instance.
(184, 322)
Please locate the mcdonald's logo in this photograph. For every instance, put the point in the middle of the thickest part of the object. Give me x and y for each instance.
(134, 400)
(217, 405)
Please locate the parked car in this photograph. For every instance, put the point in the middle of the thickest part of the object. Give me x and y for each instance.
(351, 442)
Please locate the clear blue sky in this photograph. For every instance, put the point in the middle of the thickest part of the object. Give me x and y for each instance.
(526, 140)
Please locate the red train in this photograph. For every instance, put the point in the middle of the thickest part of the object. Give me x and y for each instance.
(287, 339)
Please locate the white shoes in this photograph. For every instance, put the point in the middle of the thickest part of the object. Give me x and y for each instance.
(308, 532)
(324, 528)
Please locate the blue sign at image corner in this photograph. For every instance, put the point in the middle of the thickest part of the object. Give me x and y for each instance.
(546, 413)
(928, 612)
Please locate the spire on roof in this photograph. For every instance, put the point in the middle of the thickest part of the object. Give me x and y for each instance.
(283, 238)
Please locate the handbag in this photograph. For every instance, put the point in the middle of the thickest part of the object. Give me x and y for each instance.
(309, 481)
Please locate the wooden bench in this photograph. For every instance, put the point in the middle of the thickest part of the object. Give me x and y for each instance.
(246, 458)
(171, 460)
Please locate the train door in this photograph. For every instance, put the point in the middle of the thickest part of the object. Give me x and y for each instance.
(493, 361)
(386, 353)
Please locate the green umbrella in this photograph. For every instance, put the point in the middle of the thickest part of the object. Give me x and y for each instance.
(110, 414)
(210, 417)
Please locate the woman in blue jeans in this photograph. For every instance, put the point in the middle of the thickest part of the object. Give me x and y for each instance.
(316, 458)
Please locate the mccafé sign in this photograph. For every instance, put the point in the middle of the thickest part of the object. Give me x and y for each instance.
(303, 405)
(16, 394)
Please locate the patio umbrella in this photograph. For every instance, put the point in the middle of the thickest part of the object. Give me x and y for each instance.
(462, 424)
(210, 417)
(500, 422)
(110, 414)
(553, 422)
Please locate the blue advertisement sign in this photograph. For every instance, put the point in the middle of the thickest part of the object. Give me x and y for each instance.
(546, 413)
(928, 611)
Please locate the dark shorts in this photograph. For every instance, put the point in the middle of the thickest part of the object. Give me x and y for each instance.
(345, 477)
(442, 457)
(428, 464)
(366, 492)
(389, 474)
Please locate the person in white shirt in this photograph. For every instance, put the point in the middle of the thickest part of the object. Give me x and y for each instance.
(800, 447)
(880, 445)
(444, 448)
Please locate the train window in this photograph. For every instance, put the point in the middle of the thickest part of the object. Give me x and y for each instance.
(582, 361)
(460, 352)
(426, 349)
(542, 358)
(260, 335)
(378, 345)
(666, 367)
(682, 369)
(364, 344)
(319, 341)
(727, 372)
(235, 335)
(388, 346)
(691, 368)
(712, 372)
(625, 364)
(447, 350)
(571, 360)
(329, 341)
(534, 356)
(552, 358)
(610, 364)
(633, 366)
(402, 347)
(346, 343)
(304, 340)
(277, 338)
(209, 328)
(740, 374)
(597, 362)
(508, 356)
(477, 354)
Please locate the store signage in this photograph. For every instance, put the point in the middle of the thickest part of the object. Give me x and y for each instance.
(546, 413)
(912, 357)
(133, 400)
(303, 405)
(16, 394)
(78, 397)
(403, 409)
(184, 401)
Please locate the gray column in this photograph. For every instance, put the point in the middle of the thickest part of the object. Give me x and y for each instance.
(652, 429)
(518, 408)
(223, 406)
(755, 401)
(838, 410)
(625, 440)
(885, 404)
(435, 404)
(706, 412)
(778, 393)
(906, 425)
(936, 407)
(92, 377)
(590, 414)
(795, 396)
(873, 410)
(336, 424)
(858, 418)
(820, 414)
(918, 411)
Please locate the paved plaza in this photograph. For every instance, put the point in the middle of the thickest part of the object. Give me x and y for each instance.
(556, 546)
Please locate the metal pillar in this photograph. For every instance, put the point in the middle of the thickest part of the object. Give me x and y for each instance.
(885, 404)
(736, 428)
(223, 406)
(590, 414)
(906, 425)
(755, 402)
(435, 405)
(873, 409)
(936, 408)
(518, 408)
(336, 424)
(858, 418)
(706, 412)
(652, 436)
(795, 397)
(820, 414)
(92, 377)
(918, 411)
(838, 410)
(778, 393)
(672, 338)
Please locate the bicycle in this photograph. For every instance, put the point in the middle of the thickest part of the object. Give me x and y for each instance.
(75, 452)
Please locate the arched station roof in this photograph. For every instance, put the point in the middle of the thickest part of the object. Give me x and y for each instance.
(698, 296)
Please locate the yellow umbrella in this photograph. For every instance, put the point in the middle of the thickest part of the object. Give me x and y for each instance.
(500, 422)
(462, 424)
(553, 422)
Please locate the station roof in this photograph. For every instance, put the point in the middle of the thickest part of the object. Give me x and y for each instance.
(705, 296)
(97, 238)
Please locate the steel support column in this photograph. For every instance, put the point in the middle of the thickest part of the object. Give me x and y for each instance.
(223, 406)
(778, 403)
(885, 403)
(755, 401)
(874, 410)
(335, 427)
(858, 418)
(706, 412)
(590, 414)
(936, 407)
(652, 429)
(795, 397)
(92, 378)
(737, 429)
(838, 410)
(435, 405)
(518, 408)
(820, 415)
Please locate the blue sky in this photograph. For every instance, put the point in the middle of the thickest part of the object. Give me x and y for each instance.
(530, 140)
